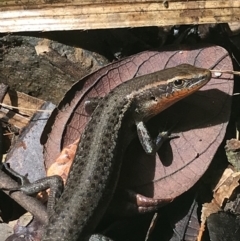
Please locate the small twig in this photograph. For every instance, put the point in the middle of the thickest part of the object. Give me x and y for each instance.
(28, 203)
(225, 71)
(8, 134)
(22, 108)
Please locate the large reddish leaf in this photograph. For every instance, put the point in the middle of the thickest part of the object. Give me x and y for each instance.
(179, 165)
(200, 121)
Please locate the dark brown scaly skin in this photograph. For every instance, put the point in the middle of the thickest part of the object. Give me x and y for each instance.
(95, 170)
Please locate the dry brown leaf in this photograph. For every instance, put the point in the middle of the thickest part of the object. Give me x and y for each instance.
(63, 163)
(228, 182)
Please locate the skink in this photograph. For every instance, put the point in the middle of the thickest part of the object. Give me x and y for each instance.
(117, 118)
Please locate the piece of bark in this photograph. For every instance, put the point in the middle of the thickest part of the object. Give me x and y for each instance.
(233, 153)
(223, 227)
(45, 71)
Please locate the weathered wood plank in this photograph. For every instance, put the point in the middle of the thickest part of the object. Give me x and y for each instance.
(52, 15)
(26, 108)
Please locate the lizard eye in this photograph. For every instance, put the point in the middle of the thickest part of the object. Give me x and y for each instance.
(178, 83)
